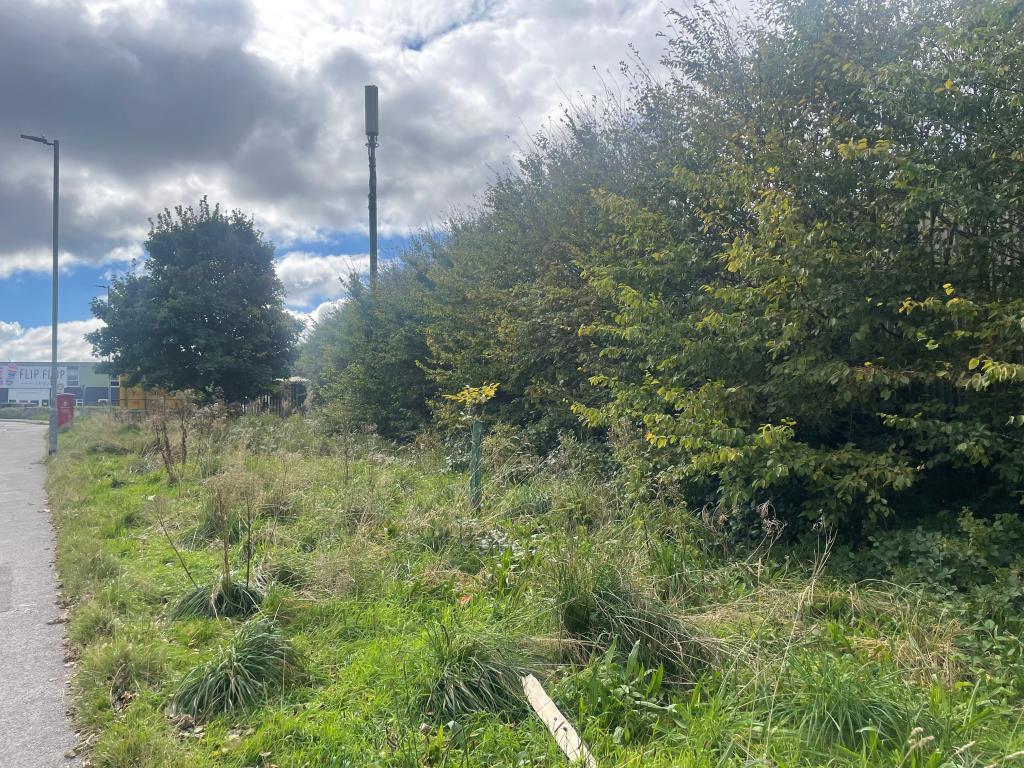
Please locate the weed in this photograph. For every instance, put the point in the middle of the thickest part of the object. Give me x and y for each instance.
(625, 700)
(163, 424)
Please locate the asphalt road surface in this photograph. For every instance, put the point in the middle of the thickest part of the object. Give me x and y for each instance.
(34, 728)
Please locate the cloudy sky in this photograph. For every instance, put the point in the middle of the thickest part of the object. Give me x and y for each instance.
(258, 104)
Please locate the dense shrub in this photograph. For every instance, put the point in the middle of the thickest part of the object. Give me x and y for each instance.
(364, 358)
(823, 308)
(788, 274)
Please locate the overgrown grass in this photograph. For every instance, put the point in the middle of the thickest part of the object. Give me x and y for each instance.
(416, 619)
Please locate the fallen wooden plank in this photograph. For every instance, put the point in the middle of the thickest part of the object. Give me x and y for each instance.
(565, 735)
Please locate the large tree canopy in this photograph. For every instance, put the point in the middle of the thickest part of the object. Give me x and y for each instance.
(206, 314)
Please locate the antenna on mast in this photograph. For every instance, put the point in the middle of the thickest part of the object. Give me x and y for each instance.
(372, 129)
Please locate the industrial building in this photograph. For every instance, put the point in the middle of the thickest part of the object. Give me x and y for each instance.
(27, 383)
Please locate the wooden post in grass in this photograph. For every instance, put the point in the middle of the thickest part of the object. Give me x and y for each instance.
(565, 735)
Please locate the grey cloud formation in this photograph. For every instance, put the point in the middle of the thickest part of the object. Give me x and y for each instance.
(258, 103)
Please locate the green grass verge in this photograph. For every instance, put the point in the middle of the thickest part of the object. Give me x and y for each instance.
(24, 413)
(393, 625)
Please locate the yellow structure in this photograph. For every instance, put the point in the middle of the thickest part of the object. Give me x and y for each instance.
(140, 399)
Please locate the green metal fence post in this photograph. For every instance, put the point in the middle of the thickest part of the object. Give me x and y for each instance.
(475, 498)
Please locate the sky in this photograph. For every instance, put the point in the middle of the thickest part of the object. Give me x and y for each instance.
(258, 104)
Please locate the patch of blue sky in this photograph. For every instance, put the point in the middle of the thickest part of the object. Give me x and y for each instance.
(25, 295)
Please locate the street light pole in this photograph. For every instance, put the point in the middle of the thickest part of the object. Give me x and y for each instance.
(110, 393)
(56, 244)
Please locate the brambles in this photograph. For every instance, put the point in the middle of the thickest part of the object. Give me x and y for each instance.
(256, 661)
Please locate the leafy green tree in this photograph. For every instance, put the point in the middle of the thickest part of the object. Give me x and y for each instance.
(364, 357)
(496, 296)
(206, 314)
(510, 297)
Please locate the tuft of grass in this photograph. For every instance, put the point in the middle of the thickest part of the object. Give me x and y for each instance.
(223, 598)
(831, 699)
(473, 671)
(286, 570)
(257, 660)
(93, 620)
(140, 741)
(360, 569)
(531, 500)
(112, 673)
(597, 608)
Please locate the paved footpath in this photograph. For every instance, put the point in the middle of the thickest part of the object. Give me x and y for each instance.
(34, 727)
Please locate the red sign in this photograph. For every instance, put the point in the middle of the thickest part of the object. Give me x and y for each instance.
(65, 410)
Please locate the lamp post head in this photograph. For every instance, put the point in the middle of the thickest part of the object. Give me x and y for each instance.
(370, 94)
(40, 139)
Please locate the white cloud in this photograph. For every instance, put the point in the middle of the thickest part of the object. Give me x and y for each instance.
(33, 344)
(317, 314)
(34, 260)
(463, 82)
(41, 259)
(308, 277)
(124, 253)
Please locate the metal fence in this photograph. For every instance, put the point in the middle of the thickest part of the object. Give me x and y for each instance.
(276, 405)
